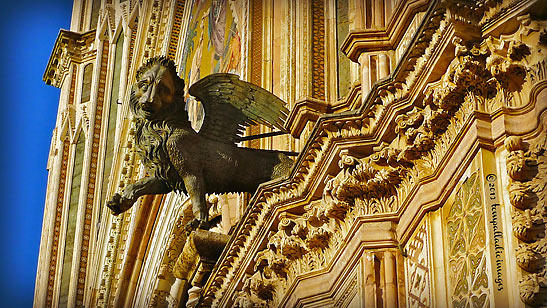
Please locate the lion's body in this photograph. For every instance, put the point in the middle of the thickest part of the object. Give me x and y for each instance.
(198, 163)
(222, 167)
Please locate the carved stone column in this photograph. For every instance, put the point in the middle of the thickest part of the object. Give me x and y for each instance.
(383, 65)
(365, 74)
(370, 284)
(177, 291)
(390, 269)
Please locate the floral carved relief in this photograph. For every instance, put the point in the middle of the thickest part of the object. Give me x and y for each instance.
(527, 169)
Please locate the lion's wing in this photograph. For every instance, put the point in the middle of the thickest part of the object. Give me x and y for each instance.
(232, 104)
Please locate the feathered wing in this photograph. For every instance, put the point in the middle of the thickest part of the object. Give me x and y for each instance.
(232, 104)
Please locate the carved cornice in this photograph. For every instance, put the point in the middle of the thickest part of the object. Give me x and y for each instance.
(309, 110)
(383, 163)
(304, 111)
(483, 14)
(353, 100)
(69, 47)
(364, 40)
(379, 183)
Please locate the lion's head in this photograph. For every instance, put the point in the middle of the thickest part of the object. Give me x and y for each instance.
(158, 93)
(157, 101)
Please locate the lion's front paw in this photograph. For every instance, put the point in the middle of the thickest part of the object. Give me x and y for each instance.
(118, 204)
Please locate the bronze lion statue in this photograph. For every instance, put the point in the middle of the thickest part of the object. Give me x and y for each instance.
(180, 159)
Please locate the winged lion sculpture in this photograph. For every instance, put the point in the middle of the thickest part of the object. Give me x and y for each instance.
(209, 161)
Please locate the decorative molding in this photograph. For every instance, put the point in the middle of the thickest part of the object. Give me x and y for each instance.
(527, 170)
(378, 183)
(57, 223)
(151, 36)
(67, 117)
(305, 111)
(385, 38)
(166, 10)
(482, 13)
(256, 42)
(352, 101)
(70, 47)
(103, 288)
(133, 28)
(374, 181)
(349, 293)
(176, 29)
(418, 268)
(318, 49)
(83, 9)
(86, 232)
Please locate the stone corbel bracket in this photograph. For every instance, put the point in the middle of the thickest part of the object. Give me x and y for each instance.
(70, 47)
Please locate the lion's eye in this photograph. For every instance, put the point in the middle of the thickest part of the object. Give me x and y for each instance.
(143, 85)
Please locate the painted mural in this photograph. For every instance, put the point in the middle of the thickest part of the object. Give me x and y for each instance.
(213, 44)
(214, 38)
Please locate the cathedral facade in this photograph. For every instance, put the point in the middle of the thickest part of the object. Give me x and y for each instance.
(417, 130)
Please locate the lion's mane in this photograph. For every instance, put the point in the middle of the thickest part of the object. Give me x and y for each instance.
(151, 135)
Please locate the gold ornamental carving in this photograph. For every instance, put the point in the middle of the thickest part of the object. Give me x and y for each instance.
(485, 76)
(527, 169)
